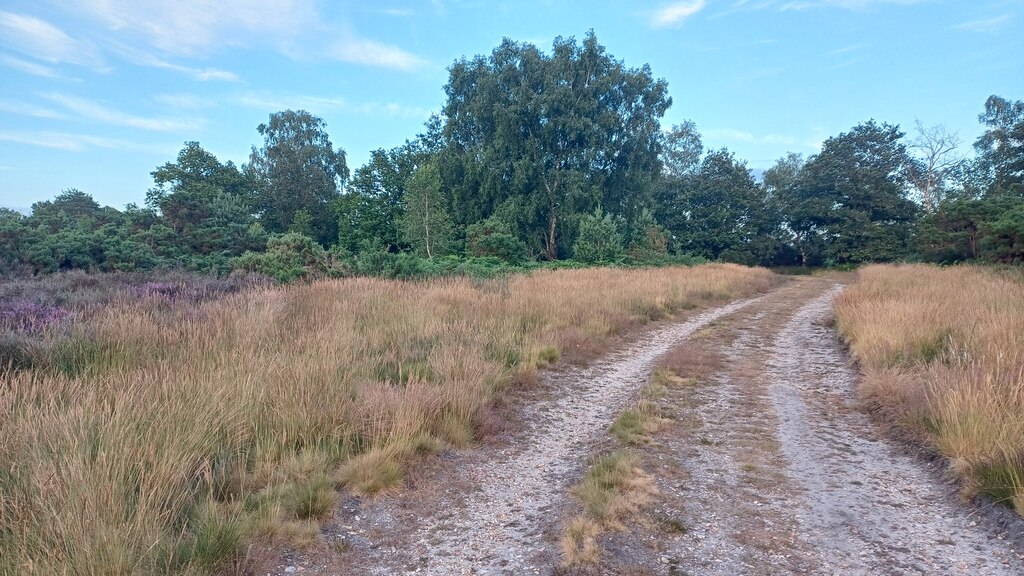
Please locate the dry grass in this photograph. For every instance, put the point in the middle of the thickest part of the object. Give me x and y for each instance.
(165, 436)
(613, 490)
(942, 351)
(636, 425)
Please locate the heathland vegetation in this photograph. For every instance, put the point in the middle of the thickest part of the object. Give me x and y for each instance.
(153, 420)
(160, 432)
(541, 156)
(942, 357)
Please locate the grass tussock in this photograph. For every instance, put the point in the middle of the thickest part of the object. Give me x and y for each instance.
(167, 432)
(613, 490)
(942, 352)
(636, 425)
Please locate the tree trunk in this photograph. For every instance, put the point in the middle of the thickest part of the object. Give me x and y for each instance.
(426, 224)
(552, 245)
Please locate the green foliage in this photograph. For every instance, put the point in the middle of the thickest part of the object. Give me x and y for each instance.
(494, 238)
(297, 169)
(849, 203)
(217, 539)
(556, 134)
(988, 229)
(426, 225)
(406, 266)
(717, 211)
(289, 257)
(599, 241)
(1001, 148)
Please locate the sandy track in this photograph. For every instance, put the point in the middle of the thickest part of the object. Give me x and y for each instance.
(495, 510)
(868, 507)
(770, 469)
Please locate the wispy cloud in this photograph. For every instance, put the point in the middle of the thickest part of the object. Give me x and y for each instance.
(105, 115)
(32, 68)
(25, 109)
(676, 12)
(732, 135)
(44, 41)
(986, 24)
(362, 51)
(192, 27)
(857, 5)
(269, 101)
(143, 58)
(195, 28)
(79, 142)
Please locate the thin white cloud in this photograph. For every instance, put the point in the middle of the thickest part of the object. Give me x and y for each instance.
(32, 68)
(44, 41)
(192, 27)
(319, 105)
(368, 52)
(144, 58)
(25, 109)
(79, 142)
(675, 13)
(731, 135)
(856, 5)
(195, 28)
(100, 113)
(986, 24)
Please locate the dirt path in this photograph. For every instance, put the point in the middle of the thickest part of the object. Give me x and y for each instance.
(767, 470)
(875, 509)
(496, 509)
(772, 470)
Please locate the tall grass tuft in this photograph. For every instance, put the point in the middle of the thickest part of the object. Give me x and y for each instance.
(169, 432)
(942, 352)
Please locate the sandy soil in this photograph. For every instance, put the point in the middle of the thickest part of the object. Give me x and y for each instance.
(768, 468)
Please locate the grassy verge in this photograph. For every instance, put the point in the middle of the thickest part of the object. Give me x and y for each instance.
(942, 352)
(613, 489)
(164, 435)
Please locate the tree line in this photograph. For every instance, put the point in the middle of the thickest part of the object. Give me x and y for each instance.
(546, 157)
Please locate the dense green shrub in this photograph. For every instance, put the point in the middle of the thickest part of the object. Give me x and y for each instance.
(288, 257)
(493, 238)
(599, 241)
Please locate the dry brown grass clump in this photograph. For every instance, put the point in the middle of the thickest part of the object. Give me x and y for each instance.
(942, 351)
(613, 490)
(167, 435)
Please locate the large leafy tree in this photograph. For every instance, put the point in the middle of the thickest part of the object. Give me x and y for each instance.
(550, 137)
(426, 225)
(1001, 148)
(206, 203)
(681, 152)
(850, 203)
(727, 215)
(984, 218)
(298, 175)
(374, 201)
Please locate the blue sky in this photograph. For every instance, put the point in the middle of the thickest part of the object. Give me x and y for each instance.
(95, 94)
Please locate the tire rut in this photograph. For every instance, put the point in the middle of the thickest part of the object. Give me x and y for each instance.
(868, 507)
(771, 468)
(496, 509)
